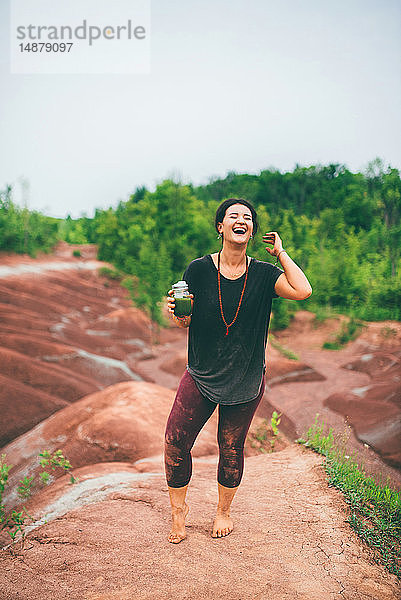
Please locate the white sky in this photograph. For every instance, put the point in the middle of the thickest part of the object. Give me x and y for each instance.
(234, 85)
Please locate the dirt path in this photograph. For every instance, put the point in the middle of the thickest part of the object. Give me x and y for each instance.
(290, 542)
(43, 267)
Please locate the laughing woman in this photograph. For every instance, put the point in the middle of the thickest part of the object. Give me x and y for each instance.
(231, 302)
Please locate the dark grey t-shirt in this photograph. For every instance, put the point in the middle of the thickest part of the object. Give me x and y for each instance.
(228, 369)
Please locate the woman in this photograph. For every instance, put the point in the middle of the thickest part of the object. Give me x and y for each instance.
(231, 303)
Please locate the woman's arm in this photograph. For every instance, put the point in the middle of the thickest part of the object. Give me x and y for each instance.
(292, 284)
(182, 321)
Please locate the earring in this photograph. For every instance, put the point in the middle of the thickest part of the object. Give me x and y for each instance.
(219, 236)
(251, 236)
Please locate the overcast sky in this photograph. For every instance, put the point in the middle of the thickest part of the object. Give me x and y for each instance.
(234, 85)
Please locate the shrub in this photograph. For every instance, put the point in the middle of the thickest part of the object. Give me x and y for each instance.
(13, 522)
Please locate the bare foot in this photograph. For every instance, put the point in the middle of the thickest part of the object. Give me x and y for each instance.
(177, 533)
(223, 525)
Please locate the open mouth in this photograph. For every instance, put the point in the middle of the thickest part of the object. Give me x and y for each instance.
(239, 230)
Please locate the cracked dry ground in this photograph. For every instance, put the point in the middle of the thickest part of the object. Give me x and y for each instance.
(290, 542)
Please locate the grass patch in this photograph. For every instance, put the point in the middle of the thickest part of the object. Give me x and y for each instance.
(374, 508)
(322, 313)
(349, 331)
(112, 274)
(388, 332)
(12, 522)
(266, 433)
(284, 351)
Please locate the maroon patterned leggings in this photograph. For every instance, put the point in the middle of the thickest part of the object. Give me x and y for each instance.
(188, 415)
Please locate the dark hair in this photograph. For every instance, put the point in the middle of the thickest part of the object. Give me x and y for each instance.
(221, 212)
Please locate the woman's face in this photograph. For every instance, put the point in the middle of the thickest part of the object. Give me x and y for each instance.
(237, 217)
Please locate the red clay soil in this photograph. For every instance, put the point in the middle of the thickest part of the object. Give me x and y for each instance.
(362, 405)
(375, 410)
(51, 379)
(24, 407)
(106, 536)
(63, 335)
(100, 339)
(124, 422)
(300, 390)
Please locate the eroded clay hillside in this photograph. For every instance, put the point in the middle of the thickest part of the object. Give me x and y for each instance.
(66, 333)
(82, 371)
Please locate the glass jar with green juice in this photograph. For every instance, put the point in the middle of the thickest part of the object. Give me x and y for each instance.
(183, 303)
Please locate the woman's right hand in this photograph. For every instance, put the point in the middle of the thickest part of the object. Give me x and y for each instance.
(171, 302)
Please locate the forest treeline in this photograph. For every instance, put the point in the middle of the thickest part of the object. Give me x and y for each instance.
(25, 231)
(342, 228)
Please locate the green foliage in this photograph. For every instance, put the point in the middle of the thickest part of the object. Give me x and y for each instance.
(374, 508)
(112, 274)
(14, 522)
(280, 318)
(343, 229)
(383, 298)
(4, 469)
(349, 331)
(24, 488)
(78, 231)
(25, 231)
(154, 273)
(54, 460)
(152, 237)
(261, 433)
(284, 351)
(77, 253)
(275, 422)
(44, 477)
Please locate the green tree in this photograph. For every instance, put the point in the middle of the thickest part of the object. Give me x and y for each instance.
(386, 188)
(341, 228)
(154, 273)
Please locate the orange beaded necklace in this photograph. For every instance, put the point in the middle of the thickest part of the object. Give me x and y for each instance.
(240, 300)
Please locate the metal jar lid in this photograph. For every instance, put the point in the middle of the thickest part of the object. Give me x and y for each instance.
(180, 286)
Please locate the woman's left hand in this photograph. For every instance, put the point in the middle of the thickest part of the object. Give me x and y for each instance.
(272, 237)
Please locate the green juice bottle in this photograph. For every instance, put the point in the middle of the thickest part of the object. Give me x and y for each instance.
(183, 303)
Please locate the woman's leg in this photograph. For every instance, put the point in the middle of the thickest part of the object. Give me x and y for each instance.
(234, 423)
(188, 415)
